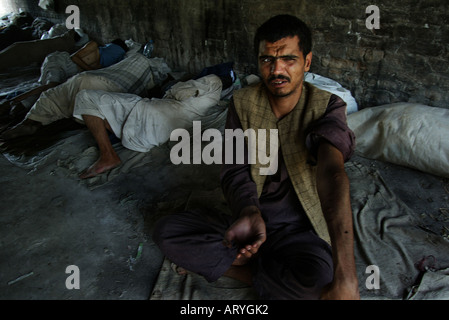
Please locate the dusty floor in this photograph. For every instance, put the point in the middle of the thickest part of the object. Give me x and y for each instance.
(49, 222)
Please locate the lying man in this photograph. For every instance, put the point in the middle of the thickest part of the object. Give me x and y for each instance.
(135, 74)
(60, 66)
(291, 233)
(142, 123)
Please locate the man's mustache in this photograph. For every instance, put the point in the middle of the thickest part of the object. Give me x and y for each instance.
(278, 77)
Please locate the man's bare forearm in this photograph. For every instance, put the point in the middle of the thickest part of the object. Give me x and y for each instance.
(334, 192)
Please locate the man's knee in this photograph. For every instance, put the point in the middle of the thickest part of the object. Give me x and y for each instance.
(82, 80)
(170, 232)
(294, 278)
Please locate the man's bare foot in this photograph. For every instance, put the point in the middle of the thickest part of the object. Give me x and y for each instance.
(25, 128)
(100, 166)
(179, 270)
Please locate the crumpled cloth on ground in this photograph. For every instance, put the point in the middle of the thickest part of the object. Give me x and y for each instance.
(388, 235)
(172, 286)
(434, 285)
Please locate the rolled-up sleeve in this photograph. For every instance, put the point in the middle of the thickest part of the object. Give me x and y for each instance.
(333, 128)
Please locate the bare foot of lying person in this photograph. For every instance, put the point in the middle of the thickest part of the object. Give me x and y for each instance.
(102, 165)
(25, 128)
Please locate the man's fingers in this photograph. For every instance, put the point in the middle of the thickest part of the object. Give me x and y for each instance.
(228, 239)
(246, 253)
(260, 240)
(249, 250)
(254, 247)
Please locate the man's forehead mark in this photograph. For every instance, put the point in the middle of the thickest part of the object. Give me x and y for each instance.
(284, 56)
(272, 45)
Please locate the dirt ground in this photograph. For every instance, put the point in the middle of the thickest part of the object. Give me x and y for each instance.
(49, 222)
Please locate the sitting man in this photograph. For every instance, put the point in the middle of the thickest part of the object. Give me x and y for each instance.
(60, 66)
(135, 74)
(291, 233)
(143, 123)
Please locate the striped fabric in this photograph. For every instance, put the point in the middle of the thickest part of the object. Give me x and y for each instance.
(133, 74)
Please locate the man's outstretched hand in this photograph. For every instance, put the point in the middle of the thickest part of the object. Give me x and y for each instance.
(248, 232)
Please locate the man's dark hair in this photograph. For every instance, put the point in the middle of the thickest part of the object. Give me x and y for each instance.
(121, 43)
(283, 26)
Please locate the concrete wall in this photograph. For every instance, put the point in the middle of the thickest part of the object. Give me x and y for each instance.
(405, 60)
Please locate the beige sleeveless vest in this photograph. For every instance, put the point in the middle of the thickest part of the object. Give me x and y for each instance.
(254, 111)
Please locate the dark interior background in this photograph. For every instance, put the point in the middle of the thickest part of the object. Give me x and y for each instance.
(406, 60)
